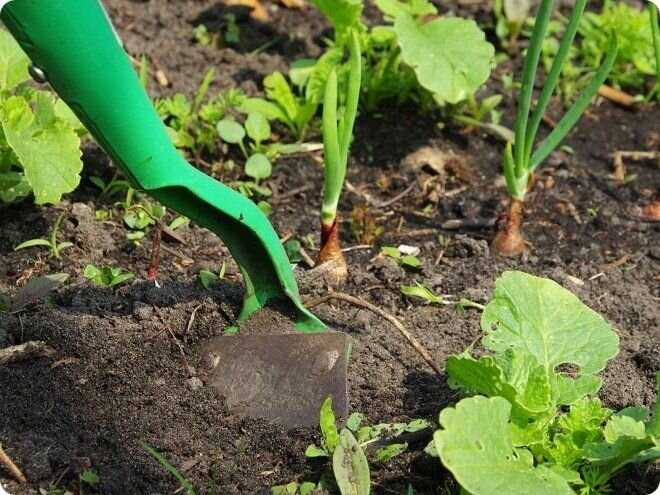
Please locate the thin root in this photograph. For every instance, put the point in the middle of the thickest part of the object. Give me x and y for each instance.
(356, 301)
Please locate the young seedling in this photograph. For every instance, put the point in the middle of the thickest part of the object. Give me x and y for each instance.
(336, 143)
(52, 244)
(403, 256)
(522, 158)
(106, 276)
(653, 8)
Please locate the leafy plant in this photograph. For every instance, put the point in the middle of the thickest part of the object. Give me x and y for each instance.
(39, 141)
(517, 431)
(336, 143)
(635, 60)
(192, 124)
(54, 246)
(106, 276)
(510, 18)
(346, 449)
(228, 34)
(283, 104)
(208, 278)
(396, 62)
(403, 258)
(522, 158)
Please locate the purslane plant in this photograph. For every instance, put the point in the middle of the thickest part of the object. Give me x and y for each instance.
(523, 156)
(337, 136)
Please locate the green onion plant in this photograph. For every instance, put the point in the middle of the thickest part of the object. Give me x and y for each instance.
(655, 30)
(523, 156)
(337, 136)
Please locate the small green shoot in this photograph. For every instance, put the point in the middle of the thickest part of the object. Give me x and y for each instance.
(405, 260)
(209, 279)
(523, 157)
(106, 276)
(55, 247)
(186, 485)
(653, 9)
(420, 291)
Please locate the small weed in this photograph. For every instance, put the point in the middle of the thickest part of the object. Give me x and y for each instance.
(106, 276)
(400, 255)
(52, 243)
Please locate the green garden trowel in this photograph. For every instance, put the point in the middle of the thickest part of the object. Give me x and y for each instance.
(74, 47)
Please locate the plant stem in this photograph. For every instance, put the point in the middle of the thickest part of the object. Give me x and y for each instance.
(552, 79)
(154, 262)
(530, 67)
(509, 241)
(655, 30)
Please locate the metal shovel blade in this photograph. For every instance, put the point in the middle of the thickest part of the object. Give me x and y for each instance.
(283, 378)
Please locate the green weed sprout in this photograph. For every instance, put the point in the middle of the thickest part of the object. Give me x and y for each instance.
(336, 142)
(522, 158)
(54, 246)
(655, 31)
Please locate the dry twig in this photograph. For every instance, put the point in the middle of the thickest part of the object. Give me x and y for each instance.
(11, 467)
(361, 303)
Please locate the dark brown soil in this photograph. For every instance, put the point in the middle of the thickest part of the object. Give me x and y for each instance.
(126, 358)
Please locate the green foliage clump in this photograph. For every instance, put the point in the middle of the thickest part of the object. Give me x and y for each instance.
(39, 135)
(635, 62)
(396, 62)
(533, 423)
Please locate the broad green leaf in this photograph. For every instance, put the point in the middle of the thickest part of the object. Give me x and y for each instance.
(416, 8)
(623, 426)
(231, 131)
(450, 56)
(524, 383)
(386, 453)
(475, 444)
(539, 317)
(50, 155)
(13, 62)
(350, 466)
(258, 167)
(342, 14)
(329, 426)
(257, 127)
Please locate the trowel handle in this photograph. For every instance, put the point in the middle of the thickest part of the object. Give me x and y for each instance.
(75, 48)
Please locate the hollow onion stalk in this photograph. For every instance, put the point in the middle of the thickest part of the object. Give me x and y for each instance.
(522, 157)
(337, 136)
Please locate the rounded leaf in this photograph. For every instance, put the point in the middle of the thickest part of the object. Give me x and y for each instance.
(450, 56)
(231, 131)
(258, 167)
(257, 127)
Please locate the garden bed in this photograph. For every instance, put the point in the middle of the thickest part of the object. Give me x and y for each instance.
(121, 380)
